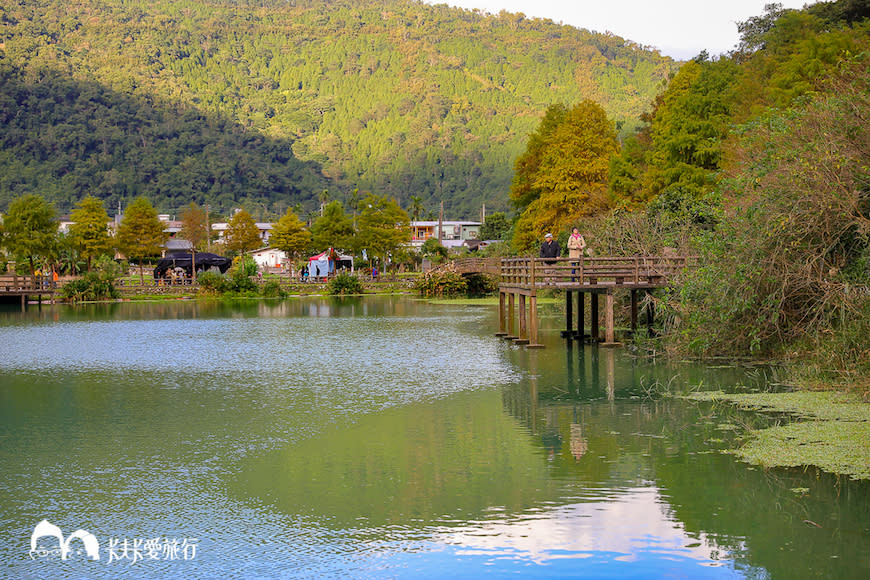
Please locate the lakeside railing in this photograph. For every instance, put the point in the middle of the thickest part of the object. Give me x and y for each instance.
(638, 271)
(15, 285)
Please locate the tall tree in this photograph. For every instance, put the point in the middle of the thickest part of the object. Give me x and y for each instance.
(495, 227)
(523, 189)
(242, 234)
(323, 198)
(416, 207)
(334, 229)
(89, 232)
(690, 122)
(141, 234)
(383, 226)
(195, 226)
(30, 231)
(290, 236)
(571, 175)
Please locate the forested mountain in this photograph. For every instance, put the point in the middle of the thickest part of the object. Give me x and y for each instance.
(268, 103)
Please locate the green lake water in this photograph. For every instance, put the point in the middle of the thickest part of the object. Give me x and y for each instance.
(383, 438)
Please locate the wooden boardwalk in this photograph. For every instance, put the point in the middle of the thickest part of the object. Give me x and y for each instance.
(24, 286)
(522, 278)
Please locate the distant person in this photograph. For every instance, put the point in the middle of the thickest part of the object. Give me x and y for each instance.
(550, 249)
(576, 245)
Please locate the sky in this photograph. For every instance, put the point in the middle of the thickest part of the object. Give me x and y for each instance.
(677, 28)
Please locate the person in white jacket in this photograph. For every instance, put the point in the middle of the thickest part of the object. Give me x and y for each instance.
(576, 245)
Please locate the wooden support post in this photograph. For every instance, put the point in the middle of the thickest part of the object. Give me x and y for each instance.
(502, 327)
(511, 311)
(581, 315)
(596, 334)
(609, 330)
(569, 316)
(532, 273)
(524, 332)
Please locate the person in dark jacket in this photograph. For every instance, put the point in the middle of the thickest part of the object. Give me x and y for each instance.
(550, 247)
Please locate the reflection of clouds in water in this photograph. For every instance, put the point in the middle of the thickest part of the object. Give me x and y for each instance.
(627, 526)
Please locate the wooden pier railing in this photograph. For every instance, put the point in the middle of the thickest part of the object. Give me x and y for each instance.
(24, 286)
(521, 278)
(633, 271)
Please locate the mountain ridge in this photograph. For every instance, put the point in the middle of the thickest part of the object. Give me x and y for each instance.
(397, 97)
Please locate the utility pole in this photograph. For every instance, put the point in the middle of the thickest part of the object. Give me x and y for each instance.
(441, 223)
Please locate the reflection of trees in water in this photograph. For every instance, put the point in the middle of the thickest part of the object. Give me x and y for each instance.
(593, 434)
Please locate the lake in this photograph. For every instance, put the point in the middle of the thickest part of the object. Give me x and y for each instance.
(383, 437)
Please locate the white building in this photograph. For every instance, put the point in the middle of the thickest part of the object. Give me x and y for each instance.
(454, 235)
(269, 257)
(221, 229)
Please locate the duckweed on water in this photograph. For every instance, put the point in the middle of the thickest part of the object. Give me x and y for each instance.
(830, 431)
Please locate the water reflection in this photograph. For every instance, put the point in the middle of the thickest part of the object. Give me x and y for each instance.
(629, 526)
(387, 437)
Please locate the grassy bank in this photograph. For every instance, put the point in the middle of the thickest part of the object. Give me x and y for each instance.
(830, 430)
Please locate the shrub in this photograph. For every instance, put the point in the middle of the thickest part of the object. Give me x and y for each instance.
(779, 265)
(442, 283)
(272, 289)
(239, 281)
(211, 283)
(433, 250)
(245, 264)
(345, 284)
(92, 286)
(110, 267)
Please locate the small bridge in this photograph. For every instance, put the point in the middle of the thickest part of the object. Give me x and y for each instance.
(24, 286)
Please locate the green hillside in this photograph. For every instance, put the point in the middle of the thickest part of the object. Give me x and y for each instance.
(267, 103)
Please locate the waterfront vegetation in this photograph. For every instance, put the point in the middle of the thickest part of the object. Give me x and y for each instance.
(830, 430)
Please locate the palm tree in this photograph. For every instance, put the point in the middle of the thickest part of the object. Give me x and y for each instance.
(416, 207)
(323, 198)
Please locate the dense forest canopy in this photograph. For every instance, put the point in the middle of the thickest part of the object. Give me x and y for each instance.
(267, 103)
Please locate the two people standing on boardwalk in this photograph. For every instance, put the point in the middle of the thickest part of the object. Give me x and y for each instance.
(550, 249)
